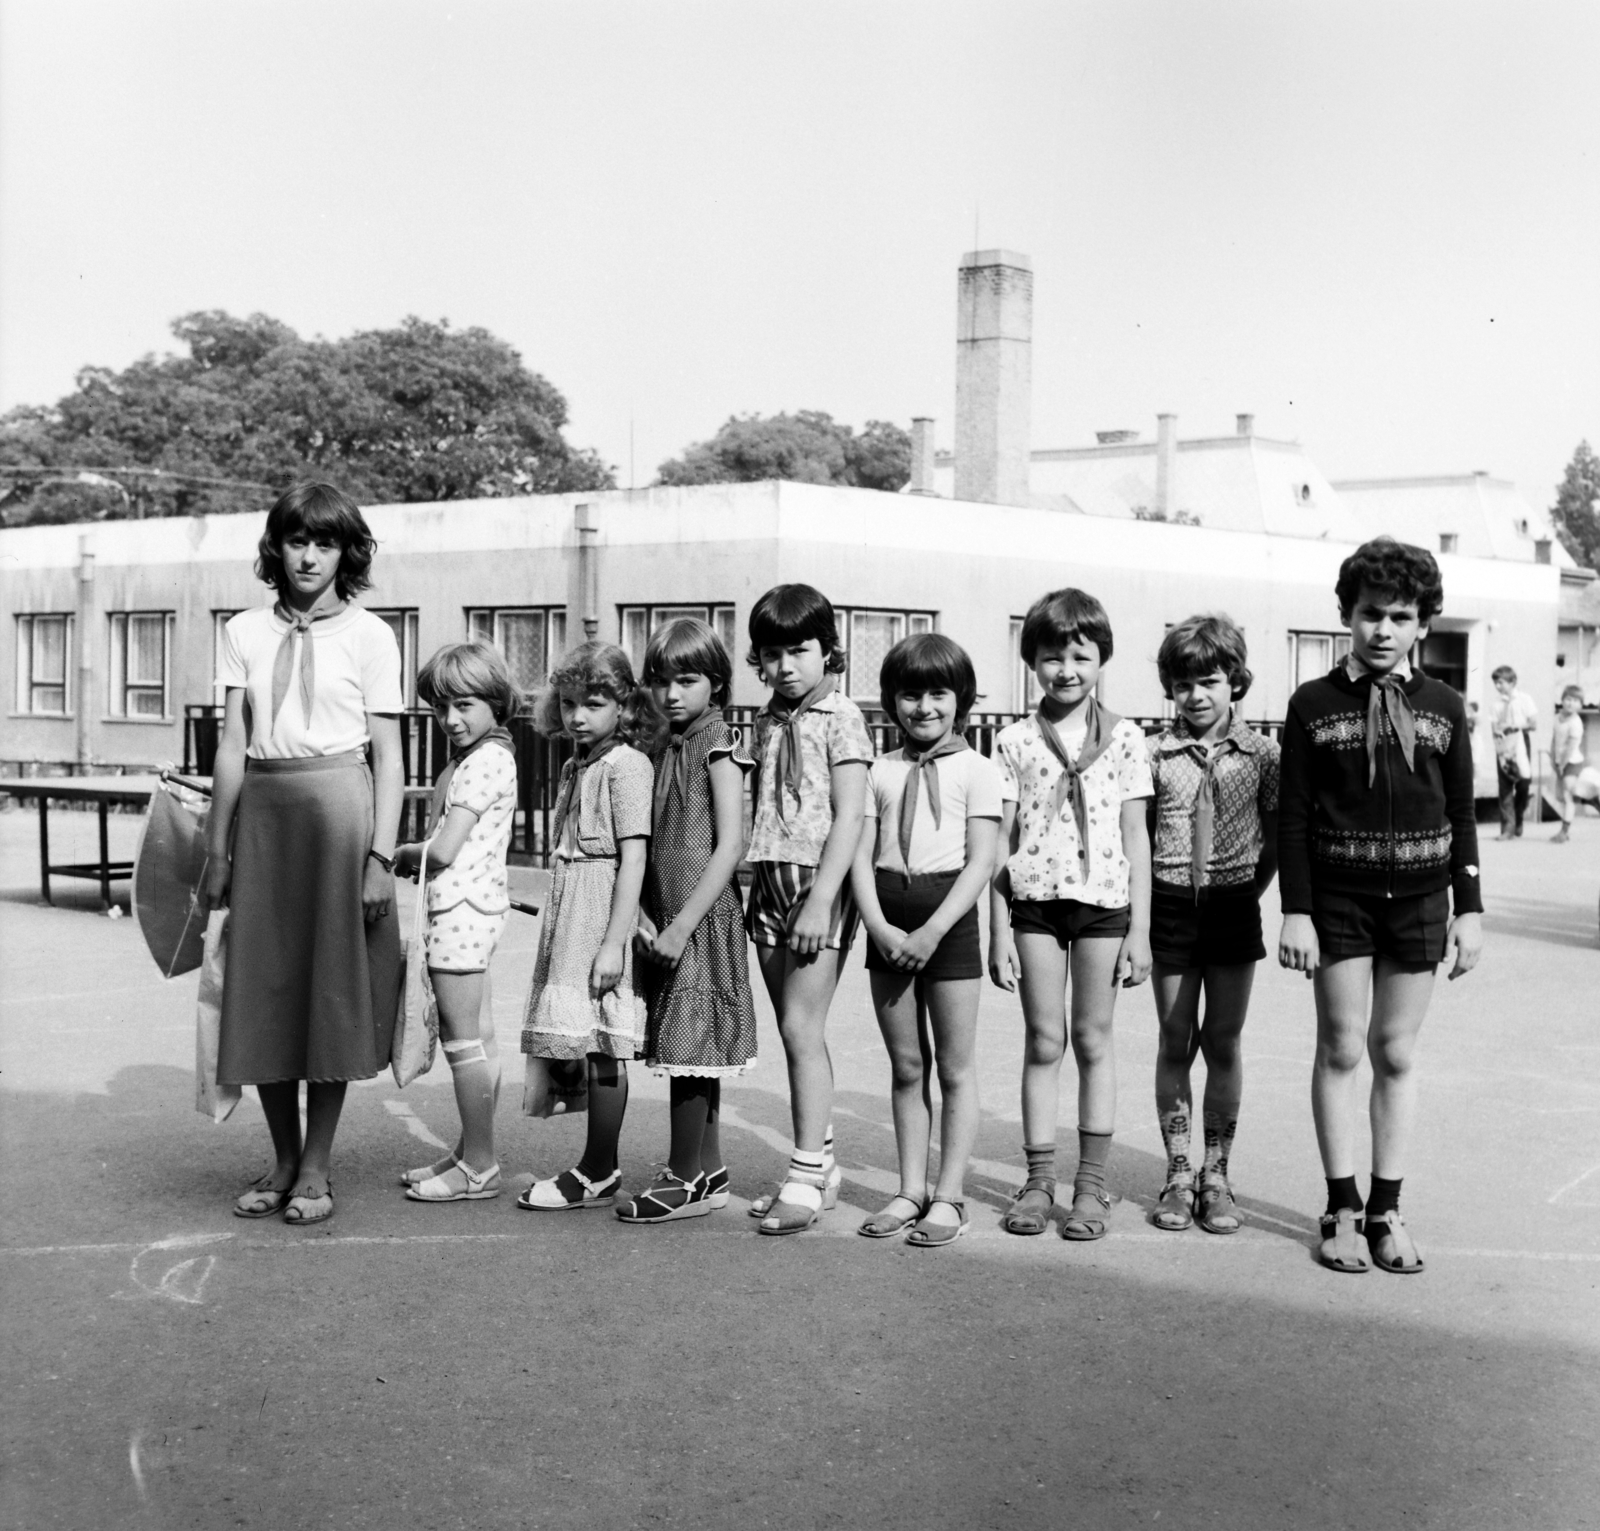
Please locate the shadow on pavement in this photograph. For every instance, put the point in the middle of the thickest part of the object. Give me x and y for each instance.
(1554, 924)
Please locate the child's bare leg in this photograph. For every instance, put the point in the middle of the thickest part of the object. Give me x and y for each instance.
(1227, 1003)
(900, 1019)
(1400, 995)
(1343, 986)
(324, 1102)
(1094, 1000)
(608, 1101)
(491, 1047)
(280, 1104)
(953, 1015)
(1043, 986)
(460, 997)
(806, 991)
(1177, 992)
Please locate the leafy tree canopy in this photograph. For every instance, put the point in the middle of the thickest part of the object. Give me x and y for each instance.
(1576, 511)
(807, 448)
(419, 412)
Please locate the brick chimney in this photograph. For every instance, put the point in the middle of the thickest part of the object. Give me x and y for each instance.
(1166, 465)
(921, 455)
(994, 377)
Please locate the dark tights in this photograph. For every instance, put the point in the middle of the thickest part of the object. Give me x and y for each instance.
(608, 1102)
(696, 1104)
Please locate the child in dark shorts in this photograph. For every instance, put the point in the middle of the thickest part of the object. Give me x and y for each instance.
(1376, 837)
(1214, 852)
(926, 852)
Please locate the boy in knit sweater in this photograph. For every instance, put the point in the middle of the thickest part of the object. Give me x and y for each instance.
(1376, 839)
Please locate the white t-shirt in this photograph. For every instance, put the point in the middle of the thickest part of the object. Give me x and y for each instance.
(485, 782)
(969, 788)
(357, 671)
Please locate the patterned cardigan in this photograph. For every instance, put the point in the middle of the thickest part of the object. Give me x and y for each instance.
(1409, 832)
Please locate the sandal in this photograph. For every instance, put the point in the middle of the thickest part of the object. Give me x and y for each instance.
(1031, 1208)
(885, 1224)
(260, 1199)
(305, 1209)
(1172, 1206)
(830, 1194)
(798, 1205)
(717, 1186)
(1086, 1222)
(1342, 1247)
(428, 1171)
(1392, 1248)
(928, 1235)
(458, 1183)
(1215, 1209)
(570, 1191)
(657, 1205)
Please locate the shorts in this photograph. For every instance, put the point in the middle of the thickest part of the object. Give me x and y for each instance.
(1068, 920)
(462, 939)
(908, 902)
(1411, 929)
(1222, 928)
(777, 889)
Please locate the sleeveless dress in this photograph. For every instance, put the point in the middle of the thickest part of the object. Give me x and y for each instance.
(702, 1020)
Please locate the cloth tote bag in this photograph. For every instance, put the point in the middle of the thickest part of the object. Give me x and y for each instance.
(167, 875)
(416, 1026)
(210, 1098)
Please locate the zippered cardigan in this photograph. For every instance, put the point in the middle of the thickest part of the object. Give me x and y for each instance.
(1410, 831)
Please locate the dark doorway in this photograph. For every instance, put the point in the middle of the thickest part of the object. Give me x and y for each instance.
(1444, 657)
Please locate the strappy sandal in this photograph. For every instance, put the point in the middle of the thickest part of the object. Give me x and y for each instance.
(830, 1194)
(1391, 1246)
(885, 1224)
(303, 1209)
(1083, 1225)
(1215, 1209)
(550, 1196)
(1031, 1208)
(1172, 1211)
(458, 1183)
(1343, 1248)
(796, 1207)
(428, 1171)
(928, 1235)
(655, 1206)
(260, 1199)
(717, 1187)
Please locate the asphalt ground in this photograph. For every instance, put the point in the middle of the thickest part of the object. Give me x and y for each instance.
(473, 1365)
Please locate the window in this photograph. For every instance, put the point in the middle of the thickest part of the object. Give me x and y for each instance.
(219, 620)
(868, 635)
(1314, 654)
(141, 651)
(531, 637)
(1449, 541)
(44, 647)
(1024, 684)
(1443, 655)
(635, 624)
(403, 624)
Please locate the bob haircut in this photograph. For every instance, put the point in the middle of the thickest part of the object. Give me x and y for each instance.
(1200, 646)
(1576, 691)
(1396, 569)
(461, 670)
(603, 669)
(928, 662)
(1503, 672)
(686, 645)
(321, 512)
(1062, 617)
(791, 614)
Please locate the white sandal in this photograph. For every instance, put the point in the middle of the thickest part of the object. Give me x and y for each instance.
(547, 1195)
(830, 1194)
(428, 1171)
(472, 1186)
(796, 1207)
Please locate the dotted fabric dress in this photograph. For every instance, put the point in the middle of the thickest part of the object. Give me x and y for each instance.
(702, 1019)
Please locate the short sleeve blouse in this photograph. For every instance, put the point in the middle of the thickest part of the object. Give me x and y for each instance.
(832, 733)
(969, 788)
(486, 783)
(613, 804)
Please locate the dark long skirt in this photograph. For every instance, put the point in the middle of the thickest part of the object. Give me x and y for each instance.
(310, 988)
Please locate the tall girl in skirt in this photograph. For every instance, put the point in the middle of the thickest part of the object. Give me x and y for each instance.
(474, 802)
(696, 980)
(300, 841)
(926, 855)
(582, 1002)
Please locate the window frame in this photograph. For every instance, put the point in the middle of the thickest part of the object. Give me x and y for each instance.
(484, 624)
(119, 689)
(406, 638)
(650, 616)
(27, 681)
(912, 619)
(1338, 640)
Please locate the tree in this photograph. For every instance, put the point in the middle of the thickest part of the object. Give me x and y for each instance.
(1576, 511)
(806, 448)
(419, 412)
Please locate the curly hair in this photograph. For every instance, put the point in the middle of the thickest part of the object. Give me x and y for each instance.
(686, 645)
(1202, 645)
(791, 614)
(1065, 616)
(601, 669)
(1396, 569)
(322, 512)
(928, 662)
(461, 670)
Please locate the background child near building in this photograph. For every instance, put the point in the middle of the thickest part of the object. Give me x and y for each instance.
(1075, 892)
(696, 981)
(927, 850)
(1214, 853)
(1513, 718)
(582, 1002)
(1375, 838)
(1566, 756)
(474, 803)
(812, 750)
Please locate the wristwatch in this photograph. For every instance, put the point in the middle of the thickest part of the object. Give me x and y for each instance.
(386, 862)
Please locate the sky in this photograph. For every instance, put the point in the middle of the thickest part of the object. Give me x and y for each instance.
(1373, 226)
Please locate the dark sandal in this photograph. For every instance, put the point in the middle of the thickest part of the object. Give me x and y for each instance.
(1215, 1209)
(268, 1199)
(1392, 1248)
(1343, 1248)
(928, 1235)
(885, 1225)
(1081, 1225)
(305, 1209)
(1031, 1208)
(1172, 1211)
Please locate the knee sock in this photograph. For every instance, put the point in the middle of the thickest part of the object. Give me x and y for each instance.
(1219, 1128)
(688, 1101)
(1343, 1195)
(491, 1056)
(1384, 1197)
(1041, 1163)
(608, 1101)
(1175, 1134)
(1094, 1148)
(474, 1085)
(711, 1138)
